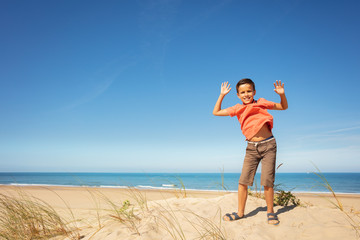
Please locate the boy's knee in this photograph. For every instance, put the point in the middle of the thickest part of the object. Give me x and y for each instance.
(266, 188)
(244, 186)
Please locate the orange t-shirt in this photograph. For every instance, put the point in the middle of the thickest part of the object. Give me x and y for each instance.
(252, 116)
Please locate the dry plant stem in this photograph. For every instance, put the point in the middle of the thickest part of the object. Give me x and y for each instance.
(169, 222)
(206, 228)
(98, 230)
(327, 185)
(139, 197)
(223, 180)
(70, 211)
(97, 205)
(182, 188)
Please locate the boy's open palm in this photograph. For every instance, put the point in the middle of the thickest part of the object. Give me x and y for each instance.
(225, 88)
(279, 88)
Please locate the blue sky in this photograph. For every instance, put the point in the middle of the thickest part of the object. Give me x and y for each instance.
(129, 86)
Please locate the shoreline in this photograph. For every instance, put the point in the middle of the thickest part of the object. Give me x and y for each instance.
(166, 189)
(158, 194)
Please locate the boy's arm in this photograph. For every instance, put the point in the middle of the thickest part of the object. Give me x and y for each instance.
(279, 89)
(225, 89)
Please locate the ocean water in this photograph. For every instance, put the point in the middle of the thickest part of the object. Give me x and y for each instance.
(295, 182)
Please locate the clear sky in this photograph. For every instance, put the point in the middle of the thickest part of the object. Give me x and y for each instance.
(129, 86)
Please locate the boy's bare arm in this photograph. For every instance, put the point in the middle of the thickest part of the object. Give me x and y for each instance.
(279, 89)
(225, 89)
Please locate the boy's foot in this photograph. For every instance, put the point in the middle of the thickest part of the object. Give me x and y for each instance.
(232, 216)
(272, 219)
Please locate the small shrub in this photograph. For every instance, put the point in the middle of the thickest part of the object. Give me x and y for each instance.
(125, 206)
(124, 214)
(283, 198)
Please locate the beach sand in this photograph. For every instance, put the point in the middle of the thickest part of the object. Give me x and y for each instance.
(169, 214)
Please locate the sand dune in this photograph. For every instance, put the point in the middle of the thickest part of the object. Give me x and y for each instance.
(170, 215)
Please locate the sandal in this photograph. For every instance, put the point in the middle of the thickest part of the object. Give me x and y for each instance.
(232, 217)
(272, 217)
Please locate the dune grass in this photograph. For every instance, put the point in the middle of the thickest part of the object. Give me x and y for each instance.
(222, 184)
(168, 219)
(140, 198)
(25, 217)
(355, 224)
(324, 183)
(208, 229)
(181, 191)
(96, 200)
(130, 213)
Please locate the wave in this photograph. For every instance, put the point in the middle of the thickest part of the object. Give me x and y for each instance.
(152, 187)
(168, 185)
(110, 186)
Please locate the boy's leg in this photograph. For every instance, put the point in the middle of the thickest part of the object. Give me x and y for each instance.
(268, 175)
(251, 162)
(242, 197)
(269, 198)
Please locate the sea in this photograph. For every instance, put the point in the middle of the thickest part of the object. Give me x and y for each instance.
(294, 182)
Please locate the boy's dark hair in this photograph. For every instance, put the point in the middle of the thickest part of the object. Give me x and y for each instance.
(245, 81)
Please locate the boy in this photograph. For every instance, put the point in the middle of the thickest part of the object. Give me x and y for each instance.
(256, 124)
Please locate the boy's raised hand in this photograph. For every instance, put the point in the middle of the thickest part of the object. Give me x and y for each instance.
(279, 88)
(225, 88)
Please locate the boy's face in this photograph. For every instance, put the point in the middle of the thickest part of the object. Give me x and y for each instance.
(246, 93)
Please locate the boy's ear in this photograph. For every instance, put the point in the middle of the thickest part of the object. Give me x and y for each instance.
(254, 92)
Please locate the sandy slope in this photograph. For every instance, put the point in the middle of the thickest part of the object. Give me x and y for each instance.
(170, 216)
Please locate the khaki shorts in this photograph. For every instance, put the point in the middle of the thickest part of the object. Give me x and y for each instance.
(264, 151)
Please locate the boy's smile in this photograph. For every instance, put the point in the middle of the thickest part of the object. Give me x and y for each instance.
(246, 93)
